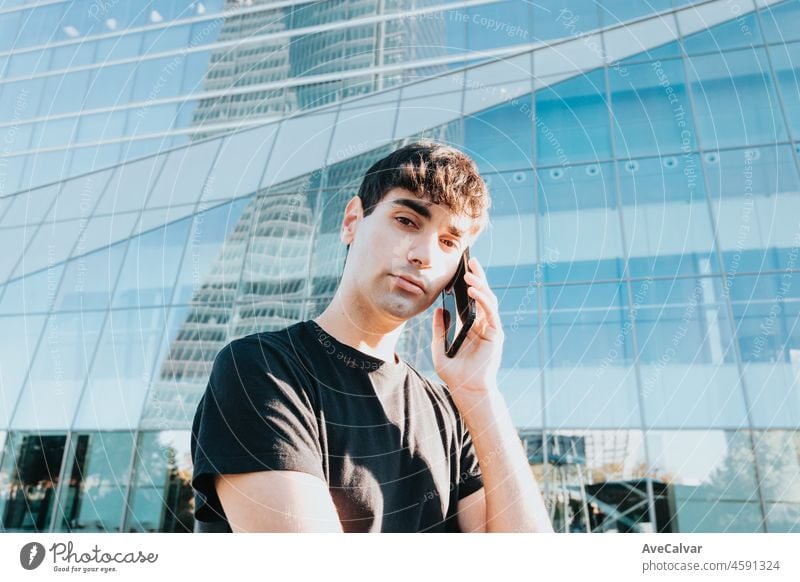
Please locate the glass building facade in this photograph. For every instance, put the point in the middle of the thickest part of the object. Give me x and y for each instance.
(173, 176)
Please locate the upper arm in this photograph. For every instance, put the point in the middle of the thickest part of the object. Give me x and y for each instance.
(257, 417)
(277, 501)
(472, 512)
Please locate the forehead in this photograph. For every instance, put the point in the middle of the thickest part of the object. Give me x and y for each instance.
(401, 199)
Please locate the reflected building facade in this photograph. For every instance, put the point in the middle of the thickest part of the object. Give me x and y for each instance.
(644, 166)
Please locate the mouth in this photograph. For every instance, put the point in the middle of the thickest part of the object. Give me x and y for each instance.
(408, 284)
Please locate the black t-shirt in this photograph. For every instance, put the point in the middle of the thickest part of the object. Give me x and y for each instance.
(389, 443)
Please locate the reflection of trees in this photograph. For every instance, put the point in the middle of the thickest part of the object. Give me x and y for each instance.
(160, 470)
(734, 476)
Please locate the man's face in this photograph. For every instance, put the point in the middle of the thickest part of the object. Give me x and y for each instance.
(406, 240)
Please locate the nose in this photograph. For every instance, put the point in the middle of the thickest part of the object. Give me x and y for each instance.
(420, 251)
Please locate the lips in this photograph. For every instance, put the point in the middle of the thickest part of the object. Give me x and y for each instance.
(412, 281)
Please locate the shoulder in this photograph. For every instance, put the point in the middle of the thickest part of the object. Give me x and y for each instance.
(258, 356)
(438, 391)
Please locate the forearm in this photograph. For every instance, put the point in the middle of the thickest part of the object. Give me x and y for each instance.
(513, 500)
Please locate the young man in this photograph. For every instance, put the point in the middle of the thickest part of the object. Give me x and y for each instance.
(323, 427)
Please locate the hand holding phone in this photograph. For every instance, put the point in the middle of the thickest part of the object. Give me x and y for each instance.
(459, 308)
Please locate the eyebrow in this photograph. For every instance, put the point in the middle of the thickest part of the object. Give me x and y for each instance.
(421, 208)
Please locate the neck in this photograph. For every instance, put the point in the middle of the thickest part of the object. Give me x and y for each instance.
(359, 330)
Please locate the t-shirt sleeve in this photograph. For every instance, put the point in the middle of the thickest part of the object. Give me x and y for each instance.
(256, 414)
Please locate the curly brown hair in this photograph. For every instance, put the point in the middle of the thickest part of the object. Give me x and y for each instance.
(431, 171)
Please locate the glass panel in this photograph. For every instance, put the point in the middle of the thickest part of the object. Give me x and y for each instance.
(687, 355)
(589, 377)
(212, 264)
(767, 314)
(183, 178)
(512, 193)
(111, 85)
(735, 102)
(151, 118)
(238, 168)
(31, 465)
(778, 454)
(754, 195)
(153, 81)
(501, 138)
(598, 481)
(520, 375)
(710, 479)
(619, 11)
(130, 185)
(20, 100)
(171, 402)
(121, 47)
(94, 497)
(31, 294)
(94, 157)
(118, 380)
(77, 197)
(166, 39)
(101, 126)
(89, 280)
(275, 275)
(563, 18)
(17, 344)
(151, 265)
(73, 55)
(666, 216)
(497, 25)
(45, 167)
(65, 94)
(16, 239)
(51, 244)
(786, 60)
(651, 109)
(580, 230)
(664, 51)
(58, 372)
(572, 121)
(782, 22)
(162, 498)
(741, 31)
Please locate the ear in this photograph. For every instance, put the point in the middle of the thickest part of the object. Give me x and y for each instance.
(353, 213)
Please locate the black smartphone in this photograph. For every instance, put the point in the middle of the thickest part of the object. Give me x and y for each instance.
(459, 308)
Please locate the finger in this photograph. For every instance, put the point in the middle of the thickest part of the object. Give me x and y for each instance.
(490, 314)
(484, 289)
(476, 268)
(475, 281)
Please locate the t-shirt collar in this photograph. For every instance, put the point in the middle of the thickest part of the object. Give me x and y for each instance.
(352, 357)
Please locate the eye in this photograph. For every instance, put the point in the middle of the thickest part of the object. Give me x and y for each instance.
(408, 220)
(451, 244)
